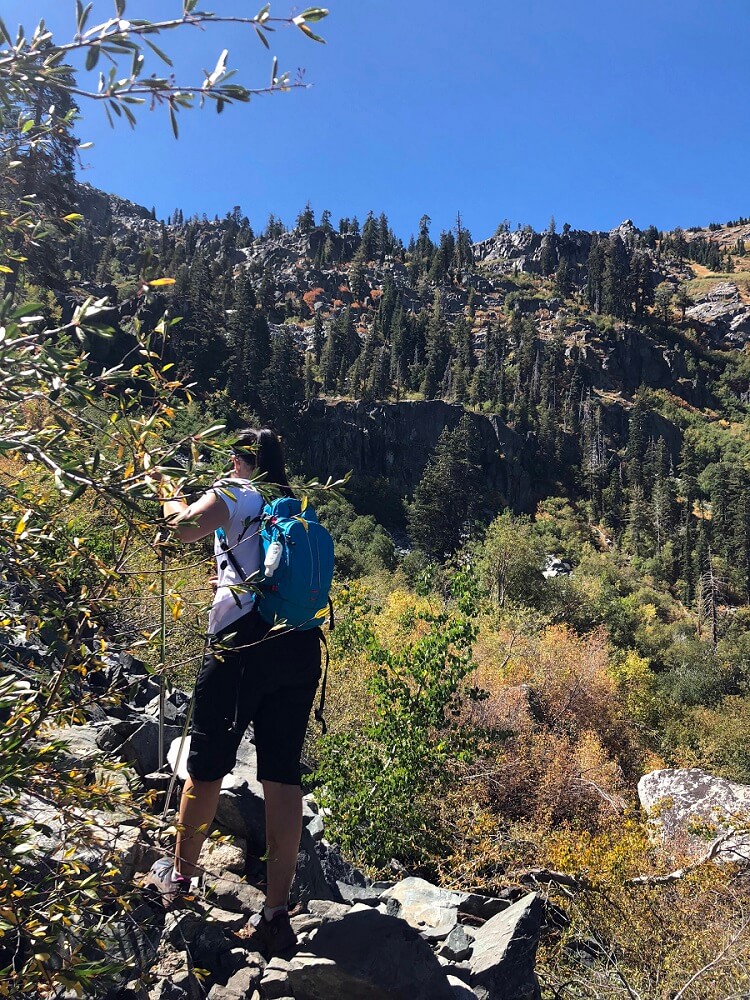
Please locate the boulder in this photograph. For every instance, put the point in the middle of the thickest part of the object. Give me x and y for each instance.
(241, 808)
(689, 808)
(175, 707)
(136, 740)
(460, 990)
(504, 950)
(431, 911)
(310, 880)
(484, 907)
(457, 946)
(368, 956)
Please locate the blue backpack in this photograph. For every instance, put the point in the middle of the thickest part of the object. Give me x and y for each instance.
(297, 591)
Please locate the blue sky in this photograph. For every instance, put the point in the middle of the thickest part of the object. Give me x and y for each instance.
(588, 110)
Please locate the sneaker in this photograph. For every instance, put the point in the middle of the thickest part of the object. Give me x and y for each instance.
(271, 937)
(165, 883)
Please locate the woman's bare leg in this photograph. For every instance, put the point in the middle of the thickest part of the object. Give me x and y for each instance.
(283, 833)
(197, 810)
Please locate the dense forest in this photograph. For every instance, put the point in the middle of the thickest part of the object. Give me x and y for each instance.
(547, 603)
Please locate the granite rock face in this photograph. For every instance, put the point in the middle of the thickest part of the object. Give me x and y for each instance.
(396, 440)
(722, 313)
(689, 808)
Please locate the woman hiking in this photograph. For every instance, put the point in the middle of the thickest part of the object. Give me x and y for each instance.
(247, 676)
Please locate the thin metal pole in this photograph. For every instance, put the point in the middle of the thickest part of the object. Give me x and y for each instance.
(162, 652)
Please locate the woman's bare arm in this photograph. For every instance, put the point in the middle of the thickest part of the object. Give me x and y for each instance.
(198, 519)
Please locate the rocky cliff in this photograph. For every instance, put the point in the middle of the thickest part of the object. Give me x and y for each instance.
(395, 441)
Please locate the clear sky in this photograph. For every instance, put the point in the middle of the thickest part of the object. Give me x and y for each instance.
(589, 110)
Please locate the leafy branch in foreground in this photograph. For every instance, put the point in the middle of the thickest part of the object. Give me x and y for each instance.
(82, 448)
(29, 64)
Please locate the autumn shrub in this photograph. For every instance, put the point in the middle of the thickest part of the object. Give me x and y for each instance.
(381, 780)
(720, 735)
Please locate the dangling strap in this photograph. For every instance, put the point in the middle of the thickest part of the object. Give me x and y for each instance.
(231, 557)
(322, 704)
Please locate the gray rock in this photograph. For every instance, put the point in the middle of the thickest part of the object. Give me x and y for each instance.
(483, 907)
(218, 858)
(359, 894)
(327, 909)
(460, 990)
(315, 827)
(136, 741)
(368, 956)
(304, 923)
(174, 977)
(226, 919)
(431, 911)
(275, 982)
(232, 892)
(175, 707)
(457, 946)
(689, 808)
(504, 950)
(310, 880)
(238, 987)
(336, 868)
(241, 808)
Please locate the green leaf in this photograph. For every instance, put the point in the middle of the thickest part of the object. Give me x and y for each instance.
(92, 57)
(83, 14)
(305, 29)
(175, 126)
(262, 37)
(4, 32)
(120, 5)
(314, 14)
(26, 310)
(77, 492)
(158, 51)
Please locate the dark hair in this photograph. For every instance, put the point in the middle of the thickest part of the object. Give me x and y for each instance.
(262, 448)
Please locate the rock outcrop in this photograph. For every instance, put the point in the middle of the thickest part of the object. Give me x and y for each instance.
(396, 440)
(689, 809)
(358, 940)
(722, 314)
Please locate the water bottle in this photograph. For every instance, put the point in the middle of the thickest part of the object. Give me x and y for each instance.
(273, 558)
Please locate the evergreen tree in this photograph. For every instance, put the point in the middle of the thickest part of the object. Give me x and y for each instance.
(368, 248)
(448, 495)
(563, 279)
(282, 387)
(306, 219)
(595, 281)
(318, 336)
(616, 278)
(437, 349)
(250, 346)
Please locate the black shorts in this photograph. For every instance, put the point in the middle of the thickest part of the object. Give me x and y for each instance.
(271, 683)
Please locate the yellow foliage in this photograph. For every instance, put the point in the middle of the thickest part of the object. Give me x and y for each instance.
(401, 619)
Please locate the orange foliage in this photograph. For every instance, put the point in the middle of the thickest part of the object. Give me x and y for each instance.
(311, 297)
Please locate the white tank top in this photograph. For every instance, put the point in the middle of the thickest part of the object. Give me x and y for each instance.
(244, 503)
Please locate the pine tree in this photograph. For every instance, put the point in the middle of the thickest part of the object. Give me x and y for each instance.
(306, 219)
(318, 336)
(448, 495)
(595, 281)
(283, 385)
(437, 349)
(616, 278)
(563, 279)
(250, 345)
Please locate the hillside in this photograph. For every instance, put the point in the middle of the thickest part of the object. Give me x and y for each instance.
(538, 690)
